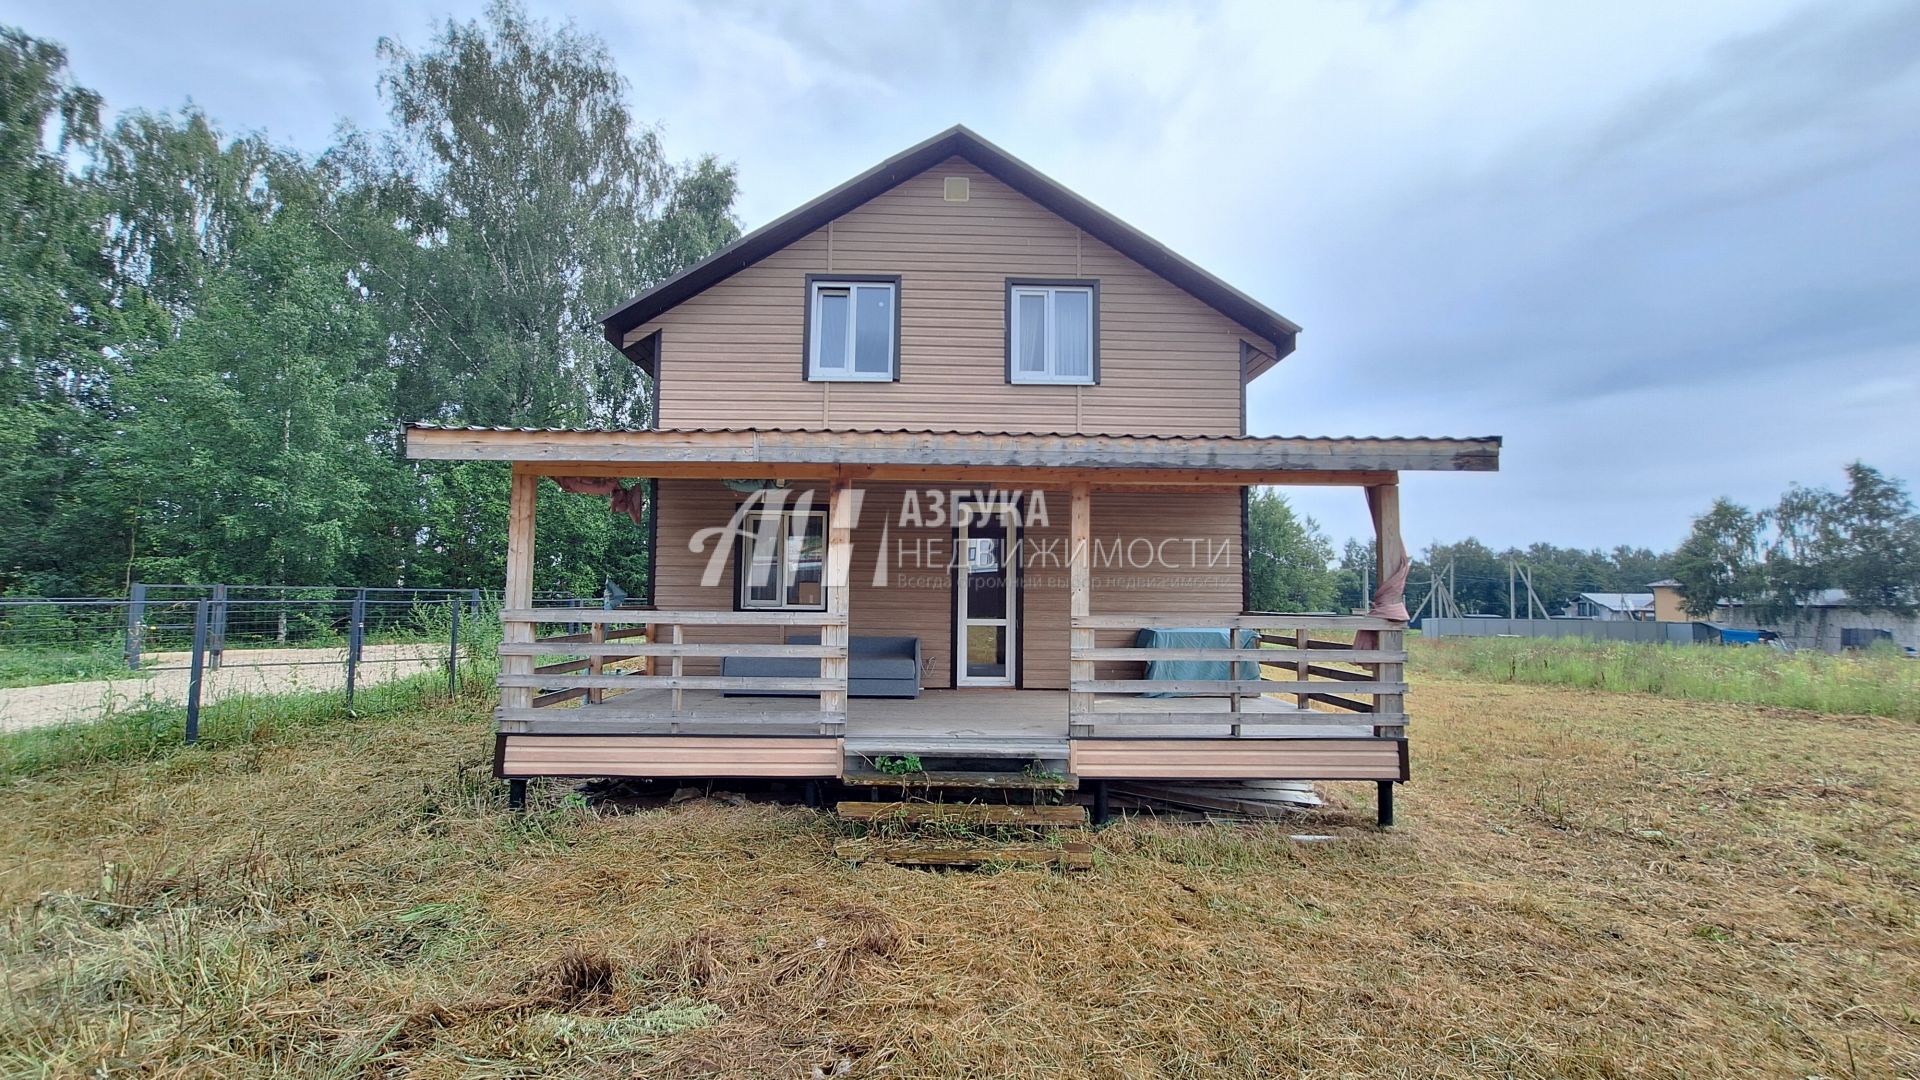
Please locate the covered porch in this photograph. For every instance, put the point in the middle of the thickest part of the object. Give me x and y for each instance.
(639, 692)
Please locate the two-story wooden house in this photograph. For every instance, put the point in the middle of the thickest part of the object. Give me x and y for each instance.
(950, 462)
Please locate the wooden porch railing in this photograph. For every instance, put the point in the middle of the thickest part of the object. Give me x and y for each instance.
(529, 693)
(1310, 658)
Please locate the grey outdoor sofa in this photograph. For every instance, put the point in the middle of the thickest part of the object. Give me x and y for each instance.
(876, 667)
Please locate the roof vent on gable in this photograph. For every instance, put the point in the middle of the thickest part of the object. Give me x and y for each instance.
(959, 189)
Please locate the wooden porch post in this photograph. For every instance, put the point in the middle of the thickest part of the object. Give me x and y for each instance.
(839, 580)
(519, 585)
(1383, 502)
(1080, 604)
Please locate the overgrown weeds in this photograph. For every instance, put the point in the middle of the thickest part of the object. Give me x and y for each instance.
(1862, 684)
(1583, 885)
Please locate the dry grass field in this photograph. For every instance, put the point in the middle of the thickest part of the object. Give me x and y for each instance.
(1584, 884)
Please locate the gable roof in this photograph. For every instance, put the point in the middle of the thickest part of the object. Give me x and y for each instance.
(956, 141)
(1619, 601)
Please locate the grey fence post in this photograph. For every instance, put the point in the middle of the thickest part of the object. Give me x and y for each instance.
(477, 601)
(453, 650)
(217, 632)
(136, 623)
(198, 672)
(356, 621)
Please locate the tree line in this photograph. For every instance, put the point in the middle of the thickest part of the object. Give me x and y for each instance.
(1293, 566)
(211, 341)
(1864, 539)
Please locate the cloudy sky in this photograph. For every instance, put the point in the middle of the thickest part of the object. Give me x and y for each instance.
(1670, 251)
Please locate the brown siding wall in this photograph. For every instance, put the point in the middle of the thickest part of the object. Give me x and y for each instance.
(1222, 759)
(1194, 565)
(1158, 553)
(669, 755)
(732, 356)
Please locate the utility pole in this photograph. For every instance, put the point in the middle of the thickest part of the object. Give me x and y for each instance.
(1511, 574)
(1533, 598)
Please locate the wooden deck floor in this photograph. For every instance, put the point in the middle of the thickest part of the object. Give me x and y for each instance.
(959, 722)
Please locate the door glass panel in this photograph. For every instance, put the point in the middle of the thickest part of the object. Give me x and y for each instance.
(986, 571)
(986, 652)
(873, 329)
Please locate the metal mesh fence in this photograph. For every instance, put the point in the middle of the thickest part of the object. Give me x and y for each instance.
(260, 639)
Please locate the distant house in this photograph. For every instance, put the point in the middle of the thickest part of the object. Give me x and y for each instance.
(1612, 607)
(1668, 604)
(1828, 620)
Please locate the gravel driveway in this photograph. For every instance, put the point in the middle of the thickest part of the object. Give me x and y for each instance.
(248, 671)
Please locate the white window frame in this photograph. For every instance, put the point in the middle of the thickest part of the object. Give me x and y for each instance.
(967, 513)
(1050, 372)
(783, 536)
(845, 372)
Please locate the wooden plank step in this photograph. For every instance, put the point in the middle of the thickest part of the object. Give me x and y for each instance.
(969, 813)
(997, 781)
(1073, 855)
(957, 746)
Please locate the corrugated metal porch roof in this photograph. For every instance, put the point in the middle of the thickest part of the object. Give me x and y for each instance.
(929, 448)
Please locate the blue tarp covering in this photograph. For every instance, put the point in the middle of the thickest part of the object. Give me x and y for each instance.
(1738, 637)
(1195, 637)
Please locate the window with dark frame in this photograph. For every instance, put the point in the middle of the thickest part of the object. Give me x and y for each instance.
(1051, 333)
(853, 330)
(783, 561)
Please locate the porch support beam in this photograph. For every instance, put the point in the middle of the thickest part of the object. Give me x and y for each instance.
(523, 495)
(839, 578)
(1079, 606)
(1390, 550)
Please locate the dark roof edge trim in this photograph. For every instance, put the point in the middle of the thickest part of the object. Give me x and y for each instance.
(956, 141)
(433, 425)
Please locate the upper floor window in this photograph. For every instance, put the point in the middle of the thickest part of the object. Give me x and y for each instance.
(853, 328)
(1053, 332)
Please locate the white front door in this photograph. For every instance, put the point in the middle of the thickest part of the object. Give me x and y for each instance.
(986, 601)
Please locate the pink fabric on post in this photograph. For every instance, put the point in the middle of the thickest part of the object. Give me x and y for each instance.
(1390, 599)
(588, 485)
(1389, 602)
(631, 501)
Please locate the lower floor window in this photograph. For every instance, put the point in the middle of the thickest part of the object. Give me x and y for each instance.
(782, 560)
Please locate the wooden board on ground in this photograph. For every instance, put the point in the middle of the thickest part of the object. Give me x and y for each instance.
(1007, 781)
(968, 813)
(1074, 855)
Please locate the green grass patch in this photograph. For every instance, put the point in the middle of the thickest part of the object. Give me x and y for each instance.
(41, 666)
(150, 731)
(1864, 684)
